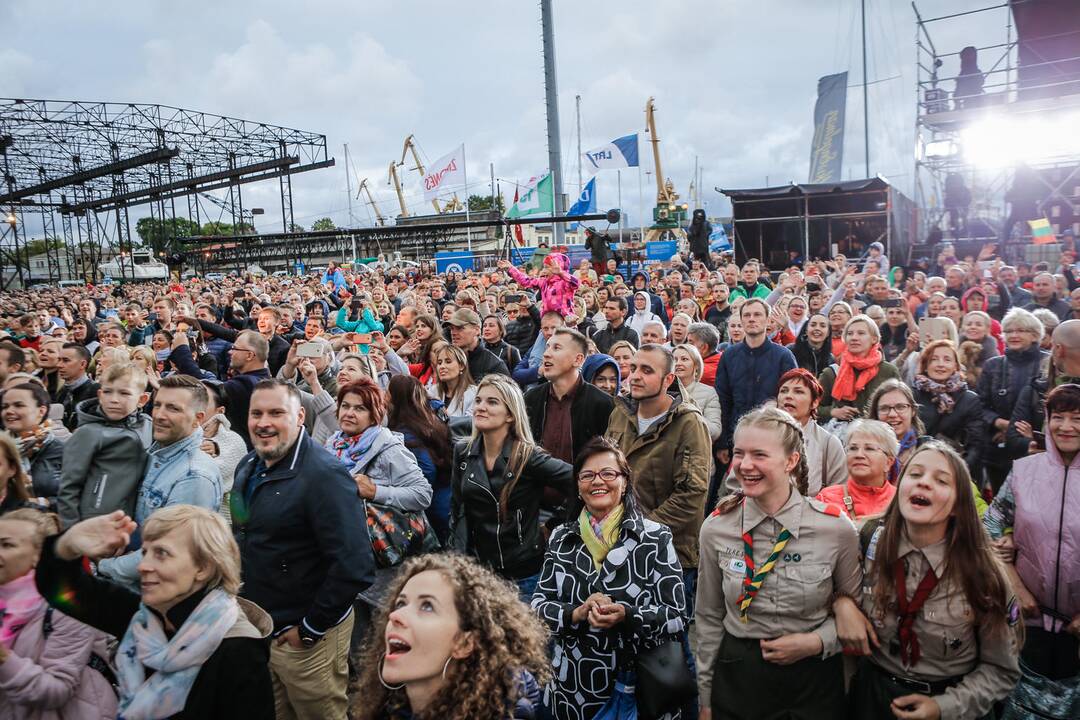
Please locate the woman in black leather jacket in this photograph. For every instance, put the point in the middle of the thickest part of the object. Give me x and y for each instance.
(498, 483)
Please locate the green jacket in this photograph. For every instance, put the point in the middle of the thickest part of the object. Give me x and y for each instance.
(671, 465)
(761, 290)
(886, 371)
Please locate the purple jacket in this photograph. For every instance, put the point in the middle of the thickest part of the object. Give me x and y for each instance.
(49, 678)
(1041, 502)
(556, 292)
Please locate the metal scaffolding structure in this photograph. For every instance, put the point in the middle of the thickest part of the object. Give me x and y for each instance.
(420, 240)
(1027, 72)
(89, 162)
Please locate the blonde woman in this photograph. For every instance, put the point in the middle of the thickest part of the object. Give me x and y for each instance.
(454, 384)
(623, 353)
(771, 563)
(862, 367)
(189, 646)
(688, 369)
(498, 483)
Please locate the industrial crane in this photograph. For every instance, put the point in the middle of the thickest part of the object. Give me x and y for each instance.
(669, 216)
(392, 179)
(380, 220)
(453, 204)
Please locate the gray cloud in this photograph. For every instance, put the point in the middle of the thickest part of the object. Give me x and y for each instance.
(734, 81)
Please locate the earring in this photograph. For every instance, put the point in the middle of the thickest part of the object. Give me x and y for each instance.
(384, 683)
(446, 665)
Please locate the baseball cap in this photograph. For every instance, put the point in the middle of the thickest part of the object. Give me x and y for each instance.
(464, 316)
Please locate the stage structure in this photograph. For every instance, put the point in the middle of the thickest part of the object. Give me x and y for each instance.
(996, 139)
(82, 165)
(420, 240)
(780, 224)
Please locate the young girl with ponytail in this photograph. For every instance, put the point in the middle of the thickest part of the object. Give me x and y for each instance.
(772, 561)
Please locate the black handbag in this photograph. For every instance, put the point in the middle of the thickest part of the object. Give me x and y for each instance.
(664, 681)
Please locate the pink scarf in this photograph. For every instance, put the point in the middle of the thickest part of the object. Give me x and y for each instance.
(19, 601)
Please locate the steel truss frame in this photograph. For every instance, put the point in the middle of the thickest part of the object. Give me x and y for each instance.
(89, 162)
(937, 123)
(210, 252)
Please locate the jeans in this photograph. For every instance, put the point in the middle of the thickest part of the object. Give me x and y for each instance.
(526, 587)
(690, 708)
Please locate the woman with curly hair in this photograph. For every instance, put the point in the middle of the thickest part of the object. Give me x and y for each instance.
(452, 642)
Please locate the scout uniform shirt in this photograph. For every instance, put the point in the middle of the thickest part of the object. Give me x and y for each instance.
(950, 644)
(820, 558)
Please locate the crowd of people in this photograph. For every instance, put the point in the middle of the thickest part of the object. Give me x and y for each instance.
(698, 490)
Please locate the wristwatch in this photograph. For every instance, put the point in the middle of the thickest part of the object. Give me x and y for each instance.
(307, 637)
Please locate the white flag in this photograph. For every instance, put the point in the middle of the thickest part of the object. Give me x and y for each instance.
(619, 153)
(448, 171)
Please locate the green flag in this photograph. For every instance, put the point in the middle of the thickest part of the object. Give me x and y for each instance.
(538, 199)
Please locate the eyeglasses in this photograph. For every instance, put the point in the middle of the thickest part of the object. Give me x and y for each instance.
(856, 449)
(240, 349)
(890, 409)
(607, 475)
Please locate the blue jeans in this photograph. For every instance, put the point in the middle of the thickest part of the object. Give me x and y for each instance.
(690, 708)
(526, 587)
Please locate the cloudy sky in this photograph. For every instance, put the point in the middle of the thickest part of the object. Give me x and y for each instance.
(734, 81)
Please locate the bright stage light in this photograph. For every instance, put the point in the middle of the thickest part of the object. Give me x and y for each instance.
(1008, 141)
(941, 149)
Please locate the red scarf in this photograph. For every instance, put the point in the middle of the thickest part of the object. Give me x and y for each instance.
(847, 386)
(907, 610)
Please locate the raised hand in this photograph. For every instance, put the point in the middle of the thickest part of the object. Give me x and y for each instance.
(96, 538)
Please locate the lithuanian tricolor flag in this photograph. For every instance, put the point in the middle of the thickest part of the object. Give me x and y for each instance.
(1041, 232)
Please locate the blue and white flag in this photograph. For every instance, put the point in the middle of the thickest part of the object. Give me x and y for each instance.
(619, 153)
(718, 240)
(586, 203)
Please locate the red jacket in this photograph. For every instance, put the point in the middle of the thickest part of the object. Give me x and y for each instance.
(708, 371)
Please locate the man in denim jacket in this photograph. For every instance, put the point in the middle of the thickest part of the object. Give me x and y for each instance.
(177, 473)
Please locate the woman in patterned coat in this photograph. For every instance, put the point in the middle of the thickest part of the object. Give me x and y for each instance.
(611, 586)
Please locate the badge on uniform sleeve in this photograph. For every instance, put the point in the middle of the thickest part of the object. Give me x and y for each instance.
(736, 565)
(1013, 613)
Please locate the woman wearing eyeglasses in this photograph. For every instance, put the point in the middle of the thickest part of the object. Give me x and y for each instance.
(871, 454)
(611, 585)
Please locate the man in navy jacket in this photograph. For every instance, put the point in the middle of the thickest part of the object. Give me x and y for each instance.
(304, 552)
(748, 373)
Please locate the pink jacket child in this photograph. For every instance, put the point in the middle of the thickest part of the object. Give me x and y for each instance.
(557, 285)
(47, 674)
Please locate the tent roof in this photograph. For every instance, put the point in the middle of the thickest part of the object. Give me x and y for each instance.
(800, 189)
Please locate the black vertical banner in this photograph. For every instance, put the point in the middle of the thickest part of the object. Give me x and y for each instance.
(827, 149)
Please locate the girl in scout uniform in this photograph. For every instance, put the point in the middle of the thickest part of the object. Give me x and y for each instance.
(772, 561)
(937, 627)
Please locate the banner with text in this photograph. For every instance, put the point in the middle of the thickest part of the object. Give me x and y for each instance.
(827, 148)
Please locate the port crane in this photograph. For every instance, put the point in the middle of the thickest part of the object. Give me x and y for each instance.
(380, 219)
(392, 179)
(669, 217)
(453, 204)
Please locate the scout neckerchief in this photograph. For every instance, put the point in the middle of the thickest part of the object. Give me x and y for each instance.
(906, 611)
(753, 580)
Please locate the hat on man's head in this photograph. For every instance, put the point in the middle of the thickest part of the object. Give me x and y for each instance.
(464, 316)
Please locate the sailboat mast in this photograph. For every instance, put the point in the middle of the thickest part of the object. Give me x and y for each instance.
(865, 94)
(348, 185)
(577, 107)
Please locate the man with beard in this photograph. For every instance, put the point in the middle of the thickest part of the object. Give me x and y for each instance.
(178, 472)
(303, 554)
